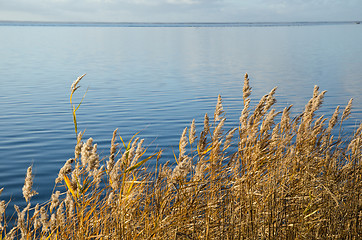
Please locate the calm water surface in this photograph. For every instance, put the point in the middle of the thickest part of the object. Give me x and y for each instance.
(155, 80)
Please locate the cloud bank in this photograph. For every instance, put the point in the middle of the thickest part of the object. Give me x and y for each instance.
(180, 10)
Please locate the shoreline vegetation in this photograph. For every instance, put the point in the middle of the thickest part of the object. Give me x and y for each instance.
(291, 178)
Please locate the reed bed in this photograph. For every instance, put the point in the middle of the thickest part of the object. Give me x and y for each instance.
(273, 176)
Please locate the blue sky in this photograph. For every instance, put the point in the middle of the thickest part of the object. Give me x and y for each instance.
(180, 10)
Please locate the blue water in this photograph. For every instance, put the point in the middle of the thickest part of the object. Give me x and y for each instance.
(155, 79)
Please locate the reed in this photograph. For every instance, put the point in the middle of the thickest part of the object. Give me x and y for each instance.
(264, 179)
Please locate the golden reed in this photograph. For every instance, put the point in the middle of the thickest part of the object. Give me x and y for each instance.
(275, 179)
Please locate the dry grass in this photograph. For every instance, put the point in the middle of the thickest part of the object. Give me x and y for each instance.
(265, 179)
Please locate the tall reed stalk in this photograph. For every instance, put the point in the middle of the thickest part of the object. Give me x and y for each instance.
(290, 178)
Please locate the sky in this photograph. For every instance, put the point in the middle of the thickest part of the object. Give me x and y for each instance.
(180, 10)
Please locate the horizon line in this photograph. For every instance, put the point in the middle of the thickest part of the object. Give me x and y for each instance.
(188, 22)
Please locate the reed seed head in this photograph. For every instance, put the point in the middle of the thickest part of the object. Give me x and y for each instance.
(270, 101)
(60, 215)
(2, 211)
(192, 133)
(86, 151)
(206, 124)
(97, 174)
(2, 208)
(28, 193)
(268, 121)
(182, 169)
(114, 176)
(66, 169)
(259, 111)
(199, 171)
(139, 152)
(165, 171)
(110, 198)
(245, 114)
(74, 85)
(21, 221)
(228, 138)
(69, 203)
(285, 120)
(53, 221)
(218, 130)
(78, 146)
(36, 217)
(93, 159)
(113, 150)
(315, 91)
(347, 110)
(132, 150)
(246, 88)
(183, 144)
(318, 101)
(358, 133)
(44, 219)
(219, 109)
(55, 200)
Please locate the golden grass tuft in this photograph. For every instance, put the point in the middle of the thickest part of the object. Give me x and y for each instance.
(286, 179)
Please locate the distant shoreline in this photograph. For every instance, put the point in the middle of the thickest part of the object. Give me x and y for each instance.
(171, 24)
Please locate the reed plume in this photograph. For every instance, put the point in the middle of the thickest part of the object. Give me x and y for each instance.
(28, 192)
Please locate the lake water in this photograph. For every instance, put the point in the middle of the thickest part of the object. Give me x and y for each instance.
(154, 79)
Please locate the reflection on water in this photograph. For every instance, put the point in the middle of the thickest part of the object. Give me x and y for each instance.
(154, 80)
